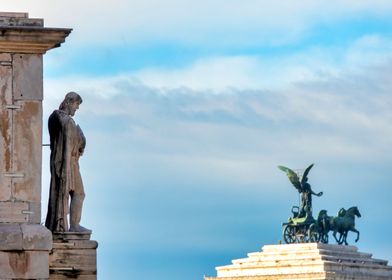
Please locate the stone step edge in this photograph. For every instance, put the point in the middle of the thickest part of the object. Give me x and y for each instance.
(312, 258)
(350, 258)
(307, 252)
(371, 265)
(263, 255)
(312, 276)
(308, 246)
(316, 263)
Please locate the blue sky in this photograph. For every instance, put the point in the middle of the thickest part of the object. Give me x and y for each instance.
(189, 106)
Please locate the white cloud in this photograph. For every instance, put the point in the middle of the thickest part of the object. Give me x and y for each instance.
(314, 64)
(370, 49)
(197, 130)
(221, 102)
(219, 21)
(210, 73)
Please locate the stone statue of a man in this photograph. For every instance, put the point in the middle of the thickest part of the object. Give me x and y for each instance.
(67, 144)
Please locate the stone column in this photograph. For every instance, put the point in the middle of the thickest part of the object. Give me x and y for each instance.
(24, 243)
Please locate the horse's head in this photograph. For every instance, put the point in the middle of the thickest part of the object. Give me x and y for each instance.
(342, 212)
(354, 210)
(322, 214)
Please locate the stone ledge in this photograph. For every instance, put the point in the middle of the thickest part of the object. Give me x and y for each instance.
(11, 237)
(72, 235)
(359, 258)
(31, 237)
(309, 276)
(21, 34)
(307, 246)
(36, 237)
(71, 244)
(22, 39)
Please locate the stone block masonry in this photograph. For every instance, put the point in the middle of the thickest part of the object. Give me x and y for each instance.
(73, 259)
(308, 261)
(24, 243)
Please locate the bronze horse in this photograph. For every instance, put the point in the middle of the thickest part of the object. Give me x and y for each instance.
(342, 224)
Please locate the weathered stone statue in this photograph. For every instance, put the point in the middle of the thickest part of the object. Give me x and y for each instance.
(67, 144)
(303, 188)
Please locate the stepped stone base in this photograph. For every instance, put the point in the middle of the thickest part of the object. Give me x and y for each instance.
(315, 261)
(73, 257)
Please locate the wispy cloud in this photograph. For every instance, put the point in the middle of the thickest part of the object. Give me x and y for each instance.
(314, 64)
(183, 122)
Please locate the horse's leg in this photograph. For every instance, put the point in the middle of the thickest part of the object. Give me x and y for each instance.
(334, 235)
(325, 237)
(345, 237)
(354, 230)
(342, 238)
(339, 240)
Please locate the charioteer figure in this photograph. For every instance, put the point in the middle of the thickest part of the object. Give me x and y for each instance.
(304, 189)
(302, 227)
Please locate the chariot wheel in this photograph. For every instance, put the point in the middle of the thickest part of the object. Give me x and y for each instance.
(289, 234)
(302, 234)
(313, 234)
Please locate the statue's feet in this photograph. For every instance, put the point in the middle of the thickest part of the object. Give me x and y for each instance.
(79, 228)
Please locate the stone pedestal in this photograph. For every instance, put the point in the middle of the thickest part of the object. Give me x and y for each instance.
(24, 243)
(73, 257)
(304, 262)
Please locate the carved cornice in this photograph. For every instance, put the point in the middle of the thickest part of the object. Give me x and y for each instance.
(34, 40)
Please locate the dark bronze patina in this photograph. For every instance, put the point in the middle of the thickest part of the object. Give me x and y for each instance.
(302, 227)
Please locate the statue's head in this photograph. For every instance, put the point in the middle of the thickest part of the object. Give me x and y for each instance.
(71, 103)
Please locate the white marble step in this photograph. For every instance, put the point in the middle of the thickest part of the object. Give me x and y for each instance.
(307, 259)
(311, 254)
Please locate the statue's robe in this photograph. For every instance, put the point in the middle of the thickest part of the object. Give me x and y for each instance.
(306, 200)
(67, 142)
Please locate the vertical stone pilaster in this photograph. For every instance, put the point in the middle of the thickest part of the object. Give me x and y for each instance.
(24, 243)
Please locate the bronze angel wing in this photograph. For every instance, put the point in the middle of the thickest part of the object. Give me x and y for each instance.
(305, 175)
(293, 177)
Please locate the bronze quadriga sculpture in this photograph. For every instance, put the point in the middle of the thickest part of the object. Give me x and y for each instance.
(302, 227)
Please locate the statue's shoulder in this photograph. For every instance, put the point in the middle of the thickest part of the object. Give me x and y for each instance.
(56, 114)
(60, 116)
(60, 120)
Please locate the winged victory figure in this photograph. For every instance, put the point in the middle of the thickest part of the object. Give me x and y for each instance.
(304, 189)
